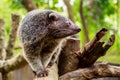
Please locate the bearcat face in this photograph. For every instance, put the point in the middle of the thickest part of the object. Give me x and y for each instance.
(60, 27)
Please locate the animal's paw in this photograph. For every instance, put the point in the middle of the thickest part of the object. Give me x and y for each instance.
(41, 73)
(50, 64)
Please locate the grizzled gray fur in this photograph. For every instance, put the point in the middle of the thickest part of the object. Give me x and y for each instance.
(42, 33)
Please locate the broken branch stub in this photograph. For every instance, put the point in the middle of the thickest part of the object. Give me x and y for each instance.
(68, 60)
(95, 49)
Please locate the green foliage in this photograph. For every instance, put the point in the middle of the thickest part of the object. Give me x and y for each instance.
(97, 13)
(16, 4)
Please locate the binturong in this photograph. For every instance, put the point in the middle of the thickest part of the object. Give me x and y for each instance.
(42, 33)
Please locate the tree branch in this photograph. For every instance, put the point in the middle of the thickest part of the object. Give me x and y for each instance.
(95, 71)
(2, 38)
(68, 60)
(29, 5)
(92, 43)
(110, 63)
(95, 49)
(12, 36)
(12, 64)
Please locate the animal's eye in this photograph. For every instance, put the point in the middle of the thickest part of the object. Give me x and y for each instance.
(68, 23)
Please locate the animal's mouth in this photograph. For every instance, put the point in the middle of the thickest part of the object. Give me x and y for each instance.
(72, 32)
(62, 33)
(77, 30)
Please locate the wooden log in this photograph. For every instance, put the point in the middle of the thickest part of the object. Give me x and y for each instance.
(68, 60)
(95, 71)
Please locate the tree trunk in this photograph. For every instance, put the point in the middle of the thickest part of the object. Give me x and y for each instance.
(29, 5)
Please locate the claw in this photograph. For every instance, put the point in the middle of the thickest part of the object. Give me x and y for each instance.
(41, 74)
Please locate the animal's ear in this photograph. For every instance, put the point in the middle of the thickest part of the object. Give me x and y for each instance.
(53, 16)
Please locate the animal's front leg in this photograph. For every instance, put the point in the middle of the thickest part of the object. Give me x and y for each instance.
(36, 65)
(54, 58)
(33, 57)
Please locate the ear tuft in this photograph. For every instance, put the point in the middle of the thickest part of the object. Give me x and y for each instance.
(53, 16)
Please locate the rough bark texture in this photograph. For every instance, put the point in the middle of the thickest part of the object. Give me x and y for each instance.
(83, 21)
(12, 36)
(69, 56)
(29, 5)
(95, 49)
(86, 58)
(12, 64)
(95, 71)
(2, 39)
(10, 45)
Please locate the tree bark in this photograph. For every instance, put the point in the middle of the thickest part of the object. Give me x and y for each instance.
(29, 5)
(68, 60)
(12, 36)
(95, 49)
(10, 46)
(2, 39)
(95, 71)
(12, 64)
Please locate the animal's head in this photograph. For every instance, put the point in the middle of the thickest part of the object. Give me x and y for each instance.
(60, 27)
(47, 24)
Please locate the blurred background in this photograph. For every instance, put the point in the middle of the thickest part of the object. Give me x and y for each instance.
(90, 15)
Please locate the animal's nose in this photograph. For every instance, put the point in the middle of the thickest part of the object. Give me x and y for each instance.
(78, 29)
